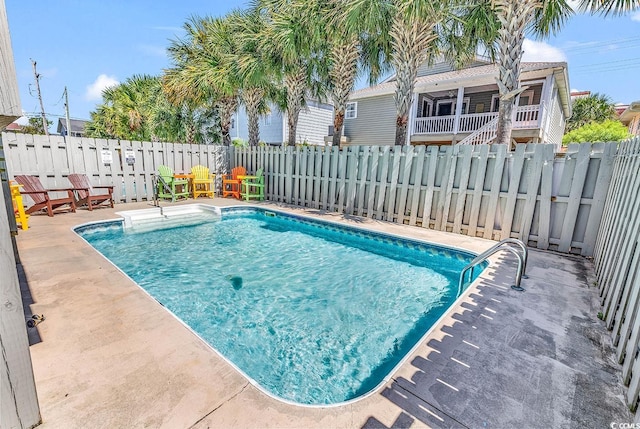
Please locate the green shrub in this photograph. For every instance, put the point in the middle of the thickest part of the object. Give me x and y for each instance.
(238, 142)
(607, 131)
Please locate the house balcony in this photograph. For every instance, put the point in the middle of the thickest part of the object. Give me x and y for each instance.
(525, 117)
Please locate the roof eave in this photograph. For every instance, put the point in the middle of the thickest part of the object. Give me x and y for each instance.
(560, 72)
(561, 76)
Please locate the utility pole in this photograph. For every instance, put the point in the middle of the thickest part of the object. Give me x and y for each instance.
(44, 117)
(66, 111)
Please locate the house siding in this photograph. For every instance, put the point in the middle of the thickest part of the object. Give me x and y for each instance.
(271, 133)
(557, 121)
(375, 124)
(480, 98)
(313, 124)
(9, 95)
(425, 69)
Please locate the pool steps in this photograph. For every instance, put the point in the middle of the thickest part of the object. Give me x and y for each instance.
(168, 217)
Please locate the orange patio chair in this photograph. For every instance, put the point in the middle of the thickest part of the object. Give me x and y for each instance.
(87, 195)
(32, 187)
(231, 183)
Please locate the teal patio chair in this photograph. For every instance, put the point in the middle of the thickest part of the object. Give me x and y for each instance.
(169, 187)
(253, 186)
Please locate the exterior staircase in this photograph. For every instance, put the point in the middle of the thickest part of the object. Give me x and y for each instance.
(484, 135)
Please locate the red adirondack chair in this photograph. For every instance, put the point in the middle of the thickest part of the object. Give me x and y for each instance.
(87, 195)
(32, 187)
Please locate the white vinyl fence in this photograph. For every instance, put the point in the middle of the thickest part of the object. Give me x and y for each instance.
(586, 201)
(617, 263)
(128, 166)
(548, 201)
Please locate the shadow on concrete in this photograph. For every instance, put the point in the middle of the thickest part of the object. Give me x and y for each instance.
(515, 359)
(27, 301)
(403, 421)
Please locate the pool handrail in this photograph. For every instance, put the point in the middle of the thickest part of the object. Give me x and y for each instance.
(501, 245)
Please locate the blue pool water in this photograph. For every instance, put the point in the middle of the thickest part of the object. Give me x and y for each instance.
(315, 313)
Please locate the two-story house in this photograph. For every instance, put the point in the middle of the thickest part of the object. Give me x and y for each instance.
(461, 106)
(313, 122)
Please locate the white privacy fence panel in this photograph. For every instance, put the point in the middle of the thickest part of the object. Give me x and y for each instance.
(617, 263)
(18, 398)
(549, 202)
(128, 166)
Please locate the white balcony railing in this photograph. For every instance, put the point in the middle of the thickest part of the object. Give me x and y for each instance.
(434, 125)
(525, 117)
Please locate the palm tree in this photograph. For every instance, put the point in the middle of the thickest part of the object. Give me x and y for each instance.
(541, 17)
(593, 108)
(347, 47)
(200, 76)
(249, 63)
(290, 44)
(408, 30)
(609, 7)
(124, 112)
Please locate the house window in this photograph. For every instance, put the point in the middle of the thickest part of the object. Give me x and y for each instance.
(495, 102)
(447, 107)
(526, 98)
(427, 108)
(351, 111)
(444, 107)
(266, 120)
(465, 105)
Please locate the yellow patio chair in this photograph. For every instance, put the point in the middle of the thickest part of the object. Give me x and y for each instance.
(202, 181)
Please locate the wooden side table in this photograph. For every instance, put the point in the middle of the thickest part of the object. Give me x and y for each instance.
(189, 177)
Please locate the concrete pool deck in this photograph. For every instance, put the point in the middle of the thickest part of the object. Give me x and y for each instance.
(110, 356)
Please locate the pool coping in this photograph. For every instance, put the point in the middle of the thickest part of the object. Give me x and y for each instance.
(129, 216)
(109, 356)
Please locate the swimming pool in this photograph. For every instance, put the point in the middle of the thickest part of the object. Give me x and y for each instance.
(315, 313)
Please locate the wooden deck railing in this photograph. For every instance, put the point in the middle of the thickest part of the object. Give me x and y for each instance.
(524, 117)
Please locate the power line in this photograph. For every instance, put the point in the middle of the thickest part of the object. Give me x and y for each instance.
(54, 115)
(612, 62)
(632, 66)
(590, 47)
(602, 50)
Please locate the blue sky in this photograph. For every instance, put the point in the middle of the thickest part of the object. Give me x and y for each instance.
(86, 44)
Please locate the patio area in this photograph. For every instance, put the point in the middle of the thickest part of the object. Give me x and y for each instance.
(108, 355)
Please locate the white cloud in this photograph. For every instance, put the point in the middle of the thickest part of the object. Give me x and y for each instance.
(153, 51)
(541, 51)
(94, 91)
(636, 16)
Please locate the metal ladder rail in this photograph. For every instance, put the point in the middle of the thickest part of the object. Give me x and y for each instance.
(522, 261)
(525, 252)
(159, 179)
(156, 179)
